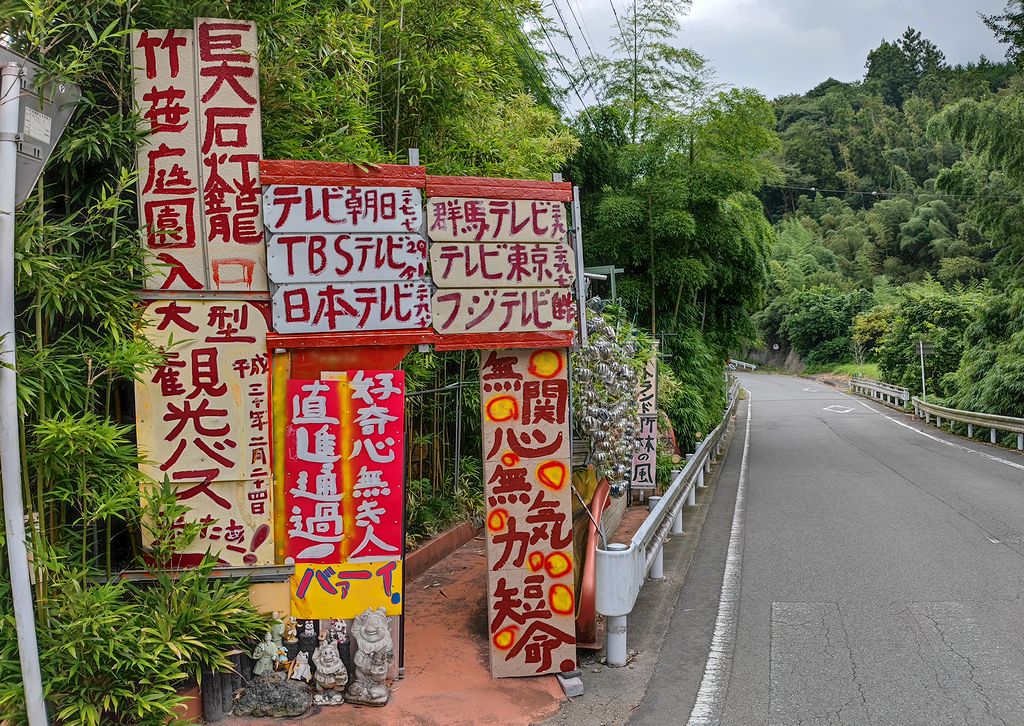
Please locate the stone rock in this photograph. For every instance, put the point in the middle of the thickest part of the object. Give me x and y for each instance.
(571, 686)
(273, 696)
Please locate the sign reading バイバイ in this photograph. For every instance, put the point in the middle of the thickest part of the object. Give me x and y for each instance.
(197, 93)
(531, 596)
(502, 264)
(352, 307)
(503, 310)
(291, 208)
(345, 590)
(293, 258)
(203, 422)
(496, 220)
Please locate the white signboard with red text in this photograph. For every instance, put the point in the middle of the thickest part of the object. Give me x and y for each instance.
(197, 92)
(351, 307)
(336, 209)
(506, 264)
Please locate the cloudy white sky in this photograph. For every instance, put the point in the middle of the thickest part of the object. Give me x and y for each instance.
(789, 46)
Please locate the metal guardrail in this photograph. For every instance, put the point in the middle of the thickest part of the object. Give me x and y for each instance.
(884, 392)
(622, 570)
(993, 423)
(744, 366)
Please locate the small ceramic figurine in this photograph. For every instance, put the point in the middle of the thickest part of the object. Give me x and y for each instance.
(330, 674)
(277, 628)
(299, 669)
(339, 632)
(374, 651)
(291, 630)
(265, 655)
(307, 629)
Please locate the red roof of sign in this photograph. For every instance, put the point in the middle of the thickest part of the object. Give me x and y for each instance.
(334, 173)
(476, 186)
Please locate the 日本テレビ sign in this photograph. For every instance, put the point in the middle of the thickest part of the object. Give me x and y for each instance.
(503, 310)
(352, 307)
(471, 265)
(197, 93)
(204, 423)
(291, 208)
(457, 219)
(526, 446)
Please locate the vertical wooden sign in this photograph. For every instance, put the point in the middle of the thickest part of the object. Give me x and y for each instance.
(203, 422)
(526, 445)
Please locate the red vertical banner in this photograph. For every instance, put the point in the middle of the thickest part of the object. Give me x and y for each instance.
(313, 482)
(344, 447)
(376, 430)
(526, 444)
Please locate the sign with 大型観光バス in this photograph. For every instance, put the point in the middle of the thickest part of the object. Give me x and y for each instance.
(204, 423)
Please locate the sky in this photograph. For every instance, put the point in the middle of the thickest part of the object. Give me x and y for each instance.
(789, 46)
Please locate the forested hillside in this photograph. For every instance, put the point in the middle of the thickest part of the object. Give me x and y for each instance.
(902, 218)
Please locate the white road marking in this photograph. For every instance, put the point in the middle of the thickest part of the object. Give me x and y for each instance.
(838, 409)
(960, 447)
(993, 541)
(710, 703)
(812, 390)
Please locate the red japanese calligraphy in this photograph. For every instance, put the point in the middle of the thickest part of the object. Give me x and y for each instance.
(350, 307)
(332, 209)
(293, 258)
(502, 265)
(495, 220)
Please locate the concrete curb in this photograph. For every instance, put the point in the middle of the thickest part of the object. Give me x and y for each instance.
(423, 558)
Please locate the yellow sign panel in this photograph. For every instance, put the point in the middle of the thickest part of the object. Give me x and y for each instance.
(343, 591)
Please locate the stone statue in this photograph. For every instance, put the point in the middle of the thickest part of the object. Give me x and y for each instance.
(265, 655)
(299, 669)
(277, 629)
(330, 674)
(374, 651)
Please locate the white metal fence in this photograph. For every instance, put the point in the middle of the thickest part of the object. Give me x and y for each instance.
(970, 419)
(623, 569)
(884, 392)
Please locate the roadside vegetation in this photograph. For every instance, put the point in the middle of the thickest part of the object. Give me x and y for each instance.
(900, 219)
(669, 168)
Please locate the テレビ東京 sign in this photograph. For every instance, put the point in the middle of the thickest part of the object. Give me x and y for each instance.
(503, 310)
(204, 423)
(471, 265)
(456, 219)
(528, 517)
(352, 307)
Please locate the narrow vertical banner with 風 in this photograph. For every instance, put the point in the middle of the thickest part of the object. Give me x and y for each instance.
(526, 445)
(230, 146)
(645, 456)
(168, 159)
(343, 481)
(204, 424)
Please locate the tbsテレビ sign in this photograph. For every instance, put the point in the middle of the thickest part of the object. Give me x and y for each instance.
(197, 92)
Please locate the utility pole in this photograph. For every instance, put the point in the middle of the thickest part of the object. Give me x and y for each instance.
(10, 456)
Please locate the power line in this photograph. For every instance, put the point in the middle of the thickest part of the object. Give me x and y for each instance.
(568, 4)
(575, 50)
(893, 195)
(587, 35)
(572, 82)
(618, 22)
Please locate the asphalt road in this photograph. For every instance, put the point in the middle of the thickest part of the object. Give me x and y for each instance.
(878, 568)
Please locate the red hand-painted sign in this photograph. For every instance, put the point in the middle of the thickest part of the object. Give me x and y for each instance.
(302, 258)
(502, 264)
(351, 307)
